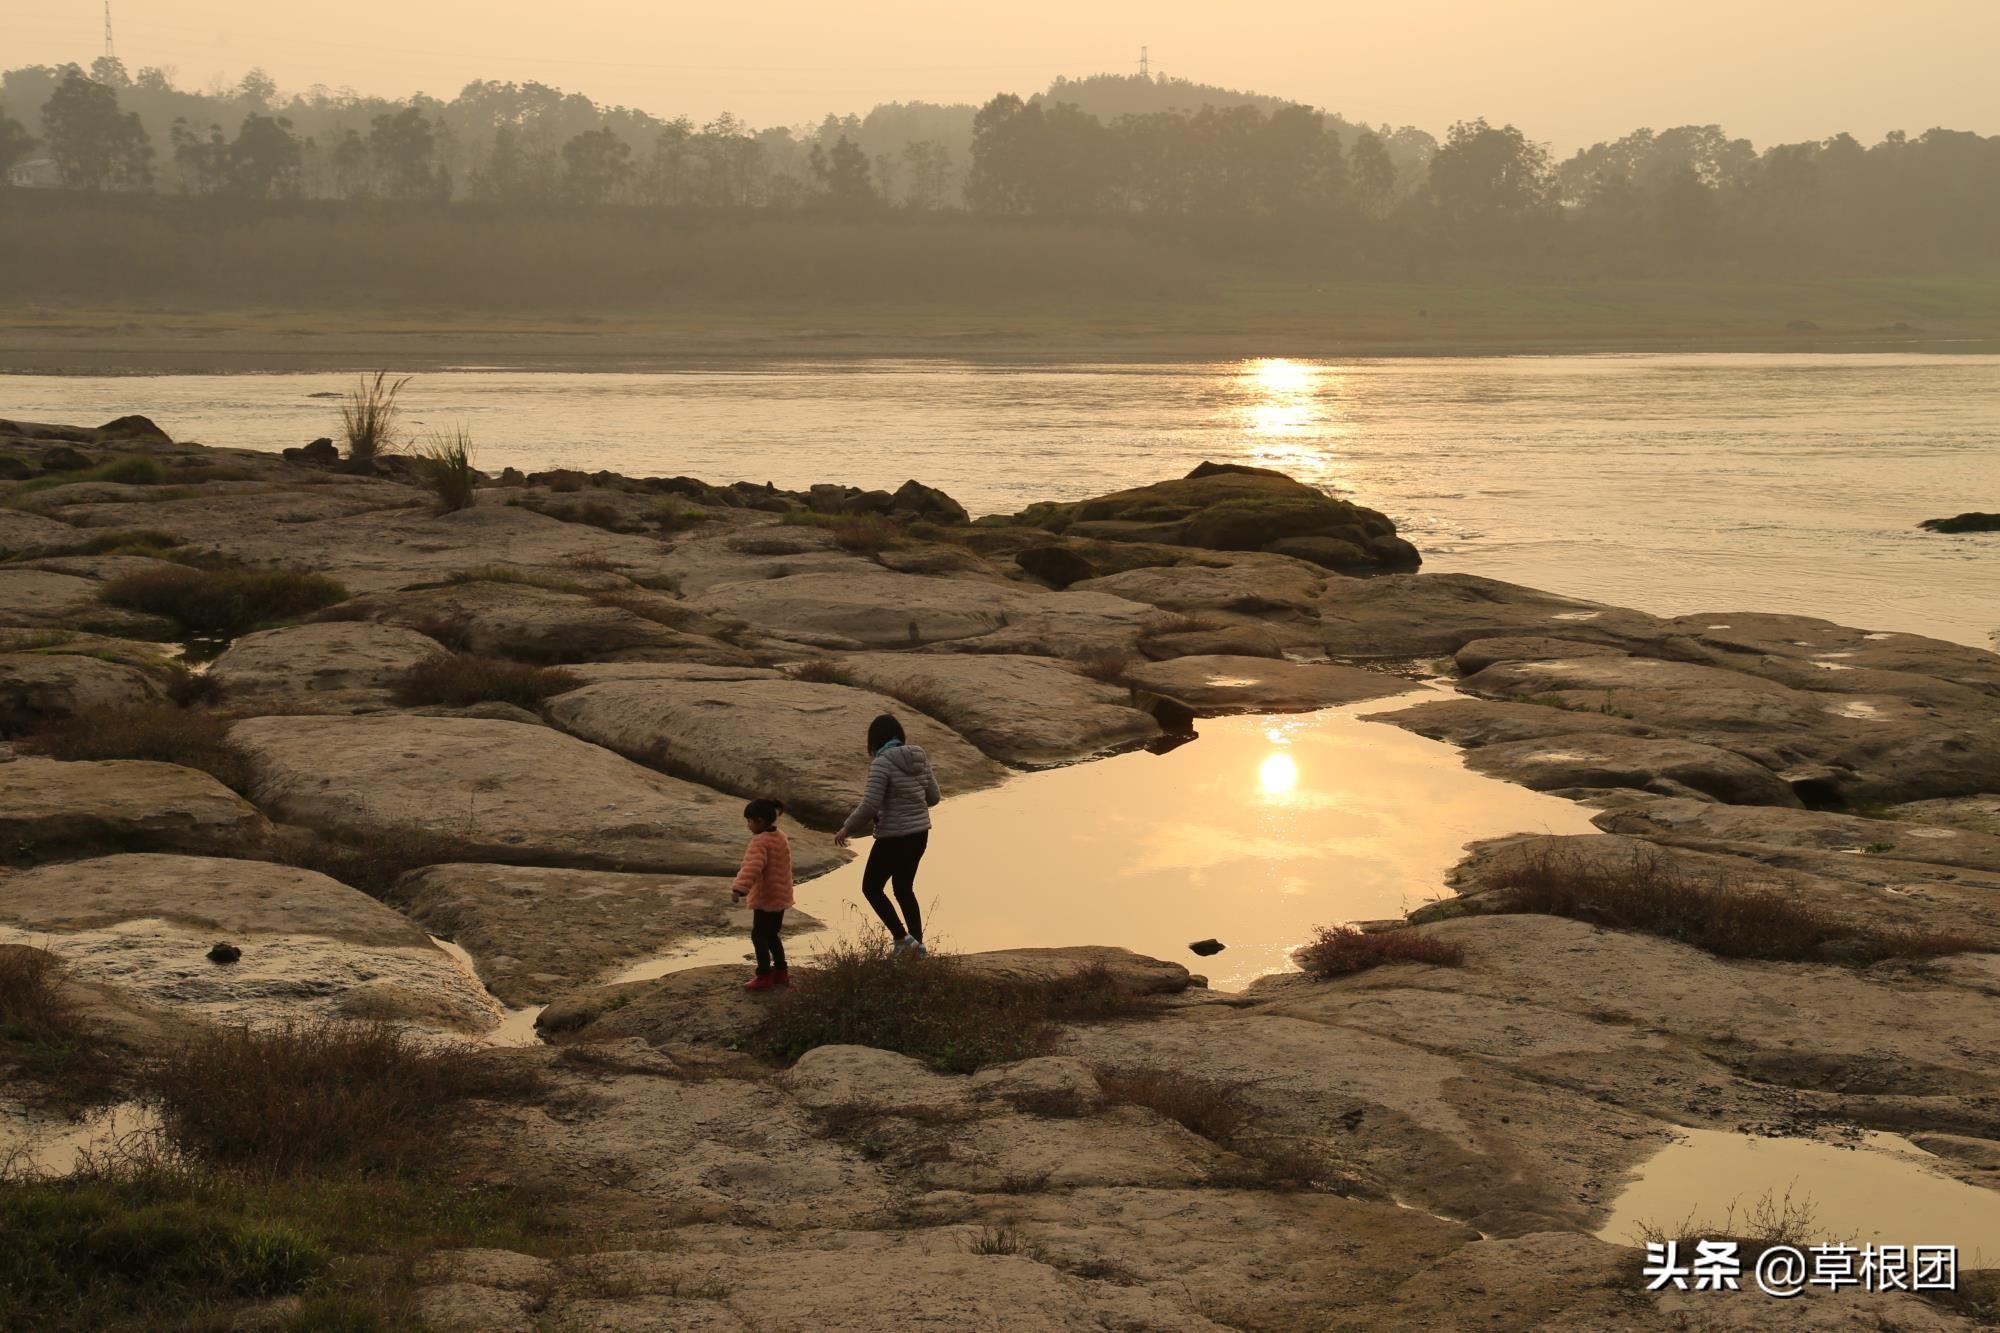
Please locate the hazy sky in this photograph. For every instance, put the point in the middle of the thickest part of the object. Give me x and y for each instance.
(1567, 71)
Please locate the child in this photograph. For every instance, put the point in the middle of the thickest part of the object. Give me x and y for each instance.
(766, 880)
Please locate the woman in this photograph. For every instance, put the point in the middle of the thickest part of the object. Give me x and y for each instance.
(896, 807)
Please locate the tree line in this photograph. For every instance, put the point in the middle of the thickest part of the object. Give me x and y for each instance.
(1213, 165)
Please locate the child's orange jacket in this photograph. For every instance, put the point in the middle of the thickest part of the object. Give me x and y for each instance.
(766, 876)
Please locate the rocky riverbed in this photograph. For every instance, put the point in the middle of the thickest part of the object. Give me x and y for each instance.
(1469, 1128)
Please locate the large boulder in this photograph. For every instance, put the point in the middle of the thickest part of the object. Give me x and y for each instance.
(500, 791)
(50, 804)
(536, 932)
(1216, 685)
(917, 500)
(1230, 508)
(1018, 709)
(1252, 585)
(37, 688)
(1425, 615)
(799, 741)
(309, 944)
(1702, 825)
(319, 659)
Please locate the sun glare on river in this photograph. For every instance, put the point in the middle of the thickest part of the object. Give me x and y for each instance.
(1278, 775)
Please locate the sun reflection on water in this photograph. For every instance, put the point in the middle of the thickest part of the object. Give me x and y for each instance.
(1278, 774)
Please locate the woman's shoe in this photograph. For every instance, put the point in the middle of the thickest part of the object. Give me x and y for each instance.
(904, 943)
(917, 948)
(762, 981)
(782, 977)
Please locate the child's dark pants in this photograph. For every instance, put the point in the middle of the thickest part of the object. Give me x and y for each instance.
(764, 927)
(895, 859)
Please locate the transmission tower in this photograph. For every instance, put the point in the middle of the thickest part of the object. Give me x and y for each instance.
(110, 51)
(1145, 62)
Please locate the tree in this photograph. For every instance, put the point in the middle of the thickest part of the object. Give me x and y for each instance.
(1488, 181)
(258, 89)
(95, 146)
(15, 144)
(843, 177)
(350, 164)
(266, 159)
(202, 159)
(403, 146)
(1372, 173)
(596, 165)
(927, 165)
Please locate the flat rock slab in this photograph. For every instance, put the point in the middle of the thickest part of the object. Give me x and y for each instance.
(1665, 767)
(144, 923)
(1423, 615)
(535, 624)
(22, 533)
(1018, 709)
(500, 790)
(42, 687)
(537, 932)
(39, 596)
(51, 803)
(1214, 685)
(1134, 972)
(700, 1006)
(1476, 722)
(802, 742)
(1250, 584)
(323, 657)
(874, 608)
(1698, 823)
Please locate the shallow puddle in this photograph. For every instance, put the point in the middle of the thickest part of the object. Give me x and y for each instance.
(34, 1146)
(1260, 830)
(1881, 1189)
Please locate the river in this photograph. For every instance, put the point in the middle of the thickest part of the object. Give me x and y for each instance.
(1674, 483)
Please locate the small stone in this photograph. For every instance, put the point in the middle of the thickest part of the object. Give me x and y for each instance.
(224, 954)
(1206, 947)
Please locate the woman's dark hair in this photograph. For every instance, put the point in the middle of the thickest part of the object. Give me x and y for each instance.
(883, 730)
(764, 811)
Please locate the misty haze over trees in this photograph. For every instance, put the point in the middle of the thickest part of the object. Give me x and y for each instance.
(1097, 165)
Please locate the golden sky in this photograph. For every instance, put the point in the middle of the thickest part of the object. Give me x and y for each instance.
(1567, 71)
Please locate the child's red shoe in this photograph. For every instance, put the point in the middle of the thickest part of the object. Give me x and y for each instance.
(781, 977)
(762, 981)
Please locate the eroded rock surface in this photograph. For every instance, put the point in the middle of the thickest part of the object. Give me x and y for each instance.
(51, 804)
(1214, 685)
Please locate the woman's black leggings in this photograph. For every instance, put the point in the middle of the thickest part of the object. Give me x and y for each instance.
(764, 927)
(896, 859)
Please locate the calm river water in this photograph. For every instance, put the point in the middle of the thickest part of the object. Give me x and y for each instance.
(1674, 483)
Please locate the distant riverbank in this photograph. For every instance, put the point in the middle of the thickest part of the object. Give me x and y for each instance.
(1242, 319)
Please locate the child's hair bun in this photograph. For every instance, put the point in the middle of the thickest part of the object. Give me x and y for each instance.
(766, 808)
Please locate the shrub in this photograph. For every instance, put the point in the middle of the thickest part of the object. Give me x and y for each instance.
(321, 1095)
(671, 518)
(1209, 1107)
(375, 867)
(42, 1035)
(223, 601)
(368, 416)
(144, 542)
(1109, 666)
(818, 671)
(851, 532)
(461, 679)
(158, 731)
(446, 471)
(1708, 910)
(1339, 951)
(590, 513)
(937, 1009)
(128, 471)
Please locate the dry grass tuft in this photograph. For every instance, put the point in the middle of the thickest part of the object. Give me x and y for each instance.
(444, 466)
(368, 416)
(461, 680)
(321, 1095)
(44, 1039)
(1109, 666)
(1710, 911)
(160, 732)
(223, 601)
(851, 532)
(818, 671)
(1339, 951)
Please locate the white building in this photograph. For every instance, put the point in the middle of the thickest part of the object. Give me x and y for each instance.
(37, 173)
